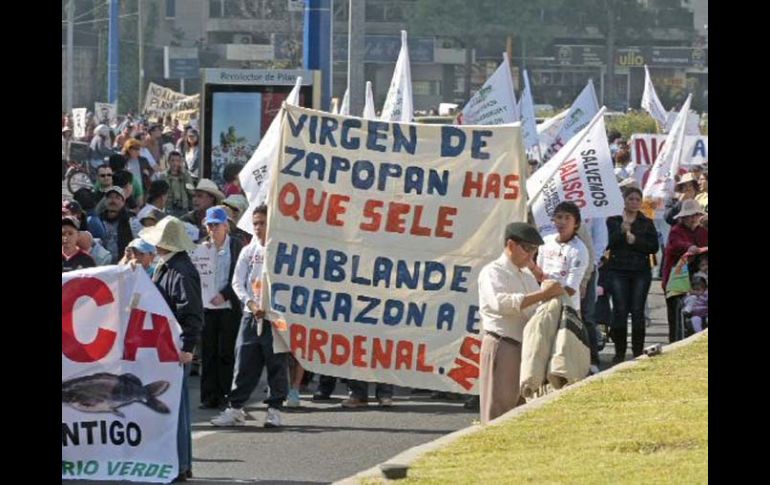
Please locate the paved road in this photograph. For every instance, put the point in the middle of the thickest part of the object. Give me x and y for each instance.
(321, 443)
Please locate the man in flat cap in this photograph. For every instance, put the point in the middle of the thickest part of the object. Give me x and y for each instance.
(508, 297)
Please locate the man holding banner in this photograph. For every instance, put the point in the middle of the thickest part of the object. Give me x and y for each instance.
(508, 294)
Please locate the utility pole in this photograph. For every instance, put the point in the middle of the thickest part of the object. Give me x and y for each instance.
(113, 52)
(70, 52)
(356, 47)
(140, 41)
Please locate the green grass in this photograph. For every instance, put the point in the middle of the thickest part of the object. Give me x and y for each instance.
(647, 424)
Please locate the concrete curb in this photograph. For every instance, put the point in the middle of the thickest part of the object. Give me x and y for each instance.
(402, 461)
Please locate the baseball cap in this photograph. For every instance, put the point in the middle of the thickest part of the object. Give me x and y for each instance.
(142, 246)
(216, 215)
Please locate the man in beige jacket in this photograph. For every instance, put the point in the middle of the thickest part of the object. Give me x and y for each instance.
(508, 294)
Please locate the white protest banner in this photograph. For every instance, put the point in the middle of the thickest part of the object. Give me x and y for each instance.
(106, 113)
(650, 101)
(495, 103)
(660, 183)
(398, 103)
(255, 175)
(121, 378)
(79, 122)
(549, 129)
(345, 106)
(369, 112)
(528, 121)
(583, 109)
(205, 260)
(693, 123)
(581, 172)
(377, 234)
(161, 101)
(645, 148)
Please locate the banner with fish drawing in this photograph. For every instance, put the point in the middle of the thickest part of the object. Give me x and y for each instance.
(121, 378)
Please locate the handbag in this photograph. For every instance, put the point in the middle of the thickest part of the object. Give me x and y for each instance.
(679, 279)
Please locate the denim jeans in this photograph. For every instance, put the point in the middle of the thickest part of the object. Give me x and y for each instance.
(588, 307)
(628, 290)
(360, 390)
(184, 427)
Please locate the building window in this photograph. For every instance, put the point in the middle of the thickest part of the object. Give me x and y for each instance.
(170, 9)
(426, 88)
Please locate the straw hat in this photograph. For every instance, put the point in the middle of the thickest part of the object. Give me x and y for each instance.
(237, 202)
(688, 177)
(690, 207)
(208, 186)
(169, 234)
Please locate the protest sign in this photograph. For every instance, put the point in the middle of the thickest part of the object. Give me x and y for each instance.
(161, 101)
(369, 112)
(205, 260)
(121, 378)
(79, 122)
(650, 101)
(549, 129)
(660, 182)
(106, 113)
(528, 121)
(645, 148)
(377, 234)
(580, 114)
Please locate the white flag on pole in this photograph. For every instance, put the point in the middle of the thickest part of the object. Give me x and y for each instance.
(582, 172)
(582, 111)
(692, 128)
(495, 103)
(548, 129)
(345, 106)
(660, 183)
(650, 101)
(527, 111)
(255, 175)
(398, 103)
(369, 112)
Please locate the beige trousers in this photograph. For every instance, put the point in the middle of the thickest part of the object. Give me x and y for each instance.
(499, 382)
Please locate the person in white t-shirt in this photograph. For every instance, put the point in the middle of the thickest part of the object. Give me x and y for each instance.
(563, 257)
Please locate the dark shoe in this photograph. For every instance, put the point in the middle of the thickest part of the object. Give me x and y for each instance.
(182, 477)
(320, 397)
(209, 405)
(618, 359)
(189, 473)
(353, 402)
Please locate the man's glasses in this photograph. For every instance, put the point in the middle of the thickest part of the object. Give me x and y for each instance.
(530, 248)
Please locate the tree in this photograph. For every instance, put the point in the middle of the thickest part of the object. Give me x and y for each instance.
(473, 25)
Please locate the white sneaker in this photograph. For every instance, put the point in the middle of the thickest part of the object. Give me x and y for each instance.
(230, 417)
(273, 418)
(292, 400)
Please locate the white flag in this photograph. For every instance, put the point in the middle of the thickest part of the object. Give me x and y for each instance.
(255, 175)
(582, 111)
(693, 123)
(549, 129)
(79, 121)
(345, 106)
(650, 101)
(335, 106)
(369, 112)
(528, 122)
(582, 173)
(398, 103)
(660, 183)
(495, 103)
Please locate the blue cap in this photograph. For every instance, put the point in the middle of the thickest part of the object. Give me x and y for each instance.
(216, 215)
(142, 246)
